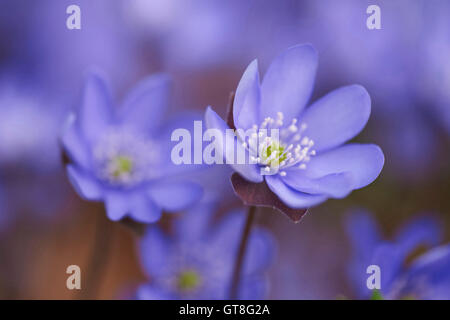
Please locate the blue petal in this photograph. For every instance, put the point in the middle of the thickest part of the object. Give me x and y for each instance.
(384, 255)
(150, 292)
(154, 248)
(363, 232)
(336, 185)
(260, 251)
(183, 120)
(96, 111)
(226, 237)
(429, 276)
(74, 145)
(195, 223)
(247, 98)
(363, 161)
(389, 258)
(420, 231)
(116, 205)
(290, 197)
(288, 83)
(143, 208)
(85, 185)
(175, 196)
(337, 117)
(253, 287)
(137, 205)
(145, 106)
(250, 172)
(227, 233)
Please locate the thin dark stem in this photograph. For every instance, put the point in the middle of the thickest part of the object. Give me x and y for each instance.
(98, 259)
(241, 253)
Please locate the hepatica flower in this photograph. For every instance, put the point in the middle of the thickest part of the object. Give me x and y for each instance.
(29, 126)
(402, 273)
(197, 261)
(121, 156)
(307, 161)
(429, 276)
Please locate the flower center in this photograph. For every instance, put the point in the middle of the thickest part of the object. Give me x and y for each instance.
(123, 158)
(121, 166)
(274, 153)
(188, 280)
(284, 147)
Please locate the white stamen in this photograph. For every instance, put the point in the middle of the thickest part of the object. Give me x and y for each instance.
(125, 158)
(288, 149)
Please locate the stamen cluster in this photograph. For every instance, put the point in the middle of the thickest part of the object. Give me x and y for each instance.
(125, 158)
(283, 148)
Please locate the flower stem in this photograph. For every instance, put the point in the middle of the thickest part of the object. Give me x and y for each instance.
(98, 259)
(241, 253)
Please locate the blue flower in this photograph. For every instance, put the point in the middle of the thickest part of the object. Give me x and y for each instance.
(406, 80)
(311, 162)
(122, 156)
(197, 261)
(435, 72)
(427, 277)
(203, 26)
(29, 126)
(45, 58)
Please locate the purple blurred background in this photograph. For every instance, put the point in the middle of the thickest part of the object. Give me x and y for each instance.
(205, 46)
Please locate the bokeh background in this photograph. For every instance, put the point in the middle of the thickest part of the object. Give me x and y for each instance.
(205, 46)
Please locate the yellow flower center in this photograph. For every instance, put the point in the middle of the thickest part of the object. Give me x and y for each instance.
(188, 280)
(122, 165)
(274, 154)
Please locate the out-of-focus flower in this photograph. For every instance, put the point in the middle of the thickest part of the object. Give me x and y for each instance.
(29, 126)
(46, 57)
(122, 156)
(197, 262)
(30, 123)
(200, 28)
(429, 276)
(307, 163)
(202, 34)
(398, 280)
(407, 81)
(435, 69)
